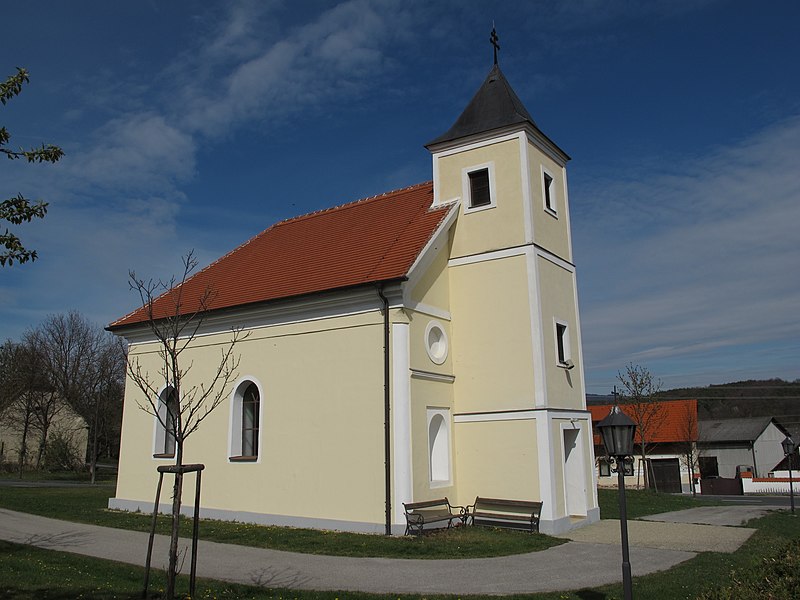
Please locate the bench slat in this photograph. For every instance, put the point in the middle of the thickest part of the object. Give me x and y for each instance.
(501, 516)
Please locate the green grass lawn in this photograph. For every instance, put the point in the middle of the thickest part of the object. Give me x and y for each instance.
(641, 503)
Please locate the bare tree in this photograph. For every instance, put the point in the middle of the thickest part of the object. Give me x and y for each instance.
(16, 403)
(189, 401)
(87, 370)
(639, 389)
(688, 432)
(33, 403)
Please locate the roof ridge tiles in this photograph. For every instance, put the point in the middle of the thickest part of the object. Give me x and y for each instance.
(350, 204)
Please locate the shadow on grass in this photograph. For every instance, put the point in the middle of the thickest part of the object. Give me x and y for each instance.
(590, 595)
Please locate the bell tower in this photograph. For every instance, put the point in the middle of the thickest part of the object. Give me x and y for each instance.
(513, 296)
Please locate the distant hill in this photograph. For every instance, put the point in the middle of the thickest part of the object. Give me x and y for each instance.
(771, 398)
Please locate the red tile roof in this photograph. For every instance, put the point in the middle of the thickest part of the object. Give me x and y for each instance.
(671, 427)
(368, 241)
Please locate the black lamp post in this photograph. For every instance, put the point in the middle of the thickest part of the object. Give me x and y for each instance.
(617, 431)
(788, 451)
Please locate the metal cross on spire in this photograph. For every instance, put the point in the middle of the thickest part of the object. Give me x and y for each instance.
(494, 40)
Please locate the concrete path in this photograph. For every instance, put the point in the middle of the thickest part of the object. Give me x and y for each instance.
(702, 529)
(574, 565)
(734, 515)
(679, 535)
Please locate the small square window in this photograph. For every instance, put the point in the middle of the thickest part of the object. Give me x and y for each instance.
(479, 188)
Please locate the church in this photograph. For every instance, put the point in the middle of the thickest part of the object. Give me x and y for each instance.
(413, 345)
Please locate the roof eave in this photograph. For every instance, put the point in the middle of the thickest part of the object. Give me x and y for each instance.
(533, 132)
(141, 326)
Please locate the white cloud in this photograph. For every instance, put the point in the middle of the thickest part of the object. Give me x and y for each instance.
(139, 151)
(701, 255)
(330, 56)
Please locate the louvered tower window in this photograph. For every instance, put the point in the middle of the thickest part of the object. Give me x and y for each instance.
(479, 188)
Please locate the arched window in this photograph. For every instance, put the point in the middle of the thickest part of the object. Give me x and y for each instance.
(165, 424)
(439, 445)
(251, 404)
(245, 422)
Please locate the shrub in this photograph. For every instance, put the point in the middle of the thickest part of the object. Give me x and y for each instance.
(61, 453)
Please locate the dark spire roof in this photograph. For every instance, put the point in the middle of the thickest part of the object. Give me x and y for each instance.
(494, 105)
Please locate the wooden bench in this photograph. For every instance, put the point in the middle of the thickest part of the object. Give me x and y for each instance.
(429, 512)
(513, 514)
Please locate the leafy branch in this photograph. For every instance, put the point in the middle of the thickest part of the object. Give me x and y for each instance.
(18, 209)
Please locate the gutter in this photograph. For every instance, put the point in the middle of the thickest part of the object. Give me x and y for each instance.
(387, 440)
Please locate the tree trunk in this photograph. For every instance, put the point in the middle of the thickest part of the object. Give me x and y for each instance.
(93, 457)
(644, 464)
(177, 490)
(23, 447)
(690, 460)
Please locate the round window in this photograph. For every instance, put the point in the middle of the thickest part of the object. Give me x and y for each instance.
(436, 342)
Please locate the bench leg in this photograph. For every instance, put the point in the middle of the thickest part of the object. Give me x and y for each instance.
(414, 527)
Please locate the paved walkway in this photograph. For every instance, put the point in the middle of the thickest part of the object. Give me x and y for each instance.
(592, 560)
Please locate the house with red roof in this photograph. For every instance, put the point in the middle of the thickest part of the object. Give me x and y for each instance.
(418, 344)
(671, 447)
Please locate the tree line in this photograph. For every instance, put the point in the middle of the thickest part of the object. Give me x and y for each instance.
(61, 386)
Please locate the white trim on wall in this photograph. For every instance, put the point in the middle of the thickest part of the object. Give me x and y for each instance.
(487, 256)
(430, 311)
(520, 415)
(556, 260)
(525, 177)
(401, 420)
(537, 335)
(547, 476)
(291, 311)
(466, 189)
(431, 376)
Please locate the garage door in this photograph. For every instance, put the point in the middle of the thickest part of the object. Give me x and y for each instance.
(665, 474)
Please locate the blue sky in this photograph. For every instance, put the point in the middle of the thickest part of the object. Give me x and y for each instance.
(195, 125)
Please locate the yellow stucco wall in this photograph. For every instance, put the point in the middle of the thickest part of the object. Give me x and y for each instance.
(497, 459)
(494, 228)
(432, 288)
(427, 394)
(558, 303)
(492, 351)
(550, 230)
(322, 425)
(431, 292)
